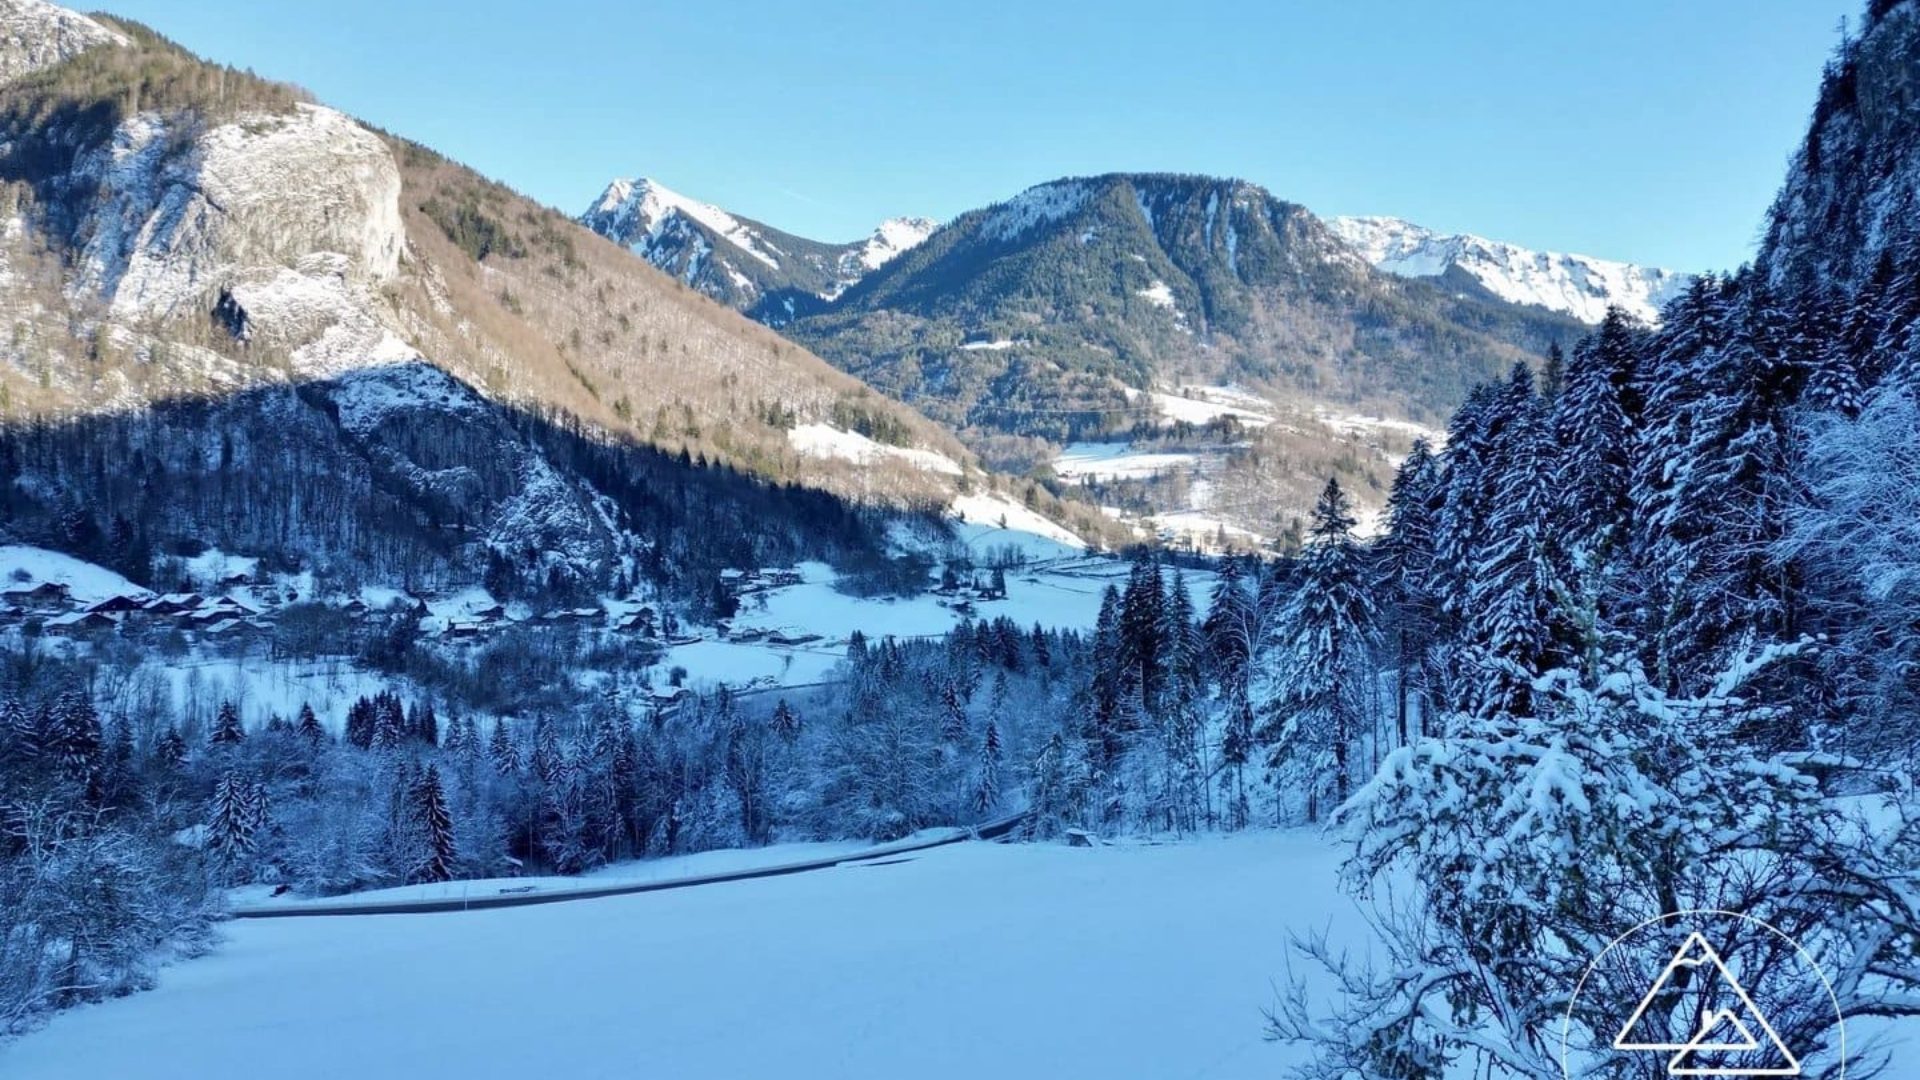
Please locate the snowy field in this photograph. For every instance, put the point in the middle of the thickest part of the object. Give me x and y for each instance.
(976, 960)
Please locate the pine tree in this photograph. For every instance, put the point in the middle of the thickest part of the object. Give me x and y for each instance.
(786, 722)
(227, 729)
(1553, 370)
(1406, 578)
(360, 723)
(308, 726)
(986, 792)
(19, 737)
(436, 828)
(1512, 587)
(1593, 427)
(1323, 636)
(73, 737)
(953, 716)
(502, 750)
(1233, 634)
(231, 825)
(389, 722)
(425, 725)
(170, 750)
(1109, 678)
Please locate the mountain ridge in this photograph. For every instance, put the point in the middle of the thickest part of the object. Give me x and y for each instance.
(740, 262)
(1582, 286)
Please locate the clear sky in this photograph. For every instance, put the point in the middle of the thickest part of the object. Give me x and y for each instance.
(1650, 130)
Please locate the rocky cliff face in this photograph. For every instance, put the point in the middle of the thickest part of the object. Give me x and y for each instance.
(1855, 180)
(268, 205)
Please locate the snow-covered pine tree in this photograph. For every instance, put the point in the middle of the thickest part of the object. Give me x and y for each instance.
(424, 724)
(1405, 581)
(1311, 697)
(1592, 426)
(227, 729)
(232, 820)
(1109, 680)
(360, 723)
(73, 737)
(440, 855)
(309, 727)
(953, 716)
(1142, 625)
(502, 750)
(786, 722)
(1538, 837)
(1233, 634)
(19, 737)
(1511, 582)
(986, 791)
(389, 723)
(170, 749)
(1710, 475)
(1180, 720)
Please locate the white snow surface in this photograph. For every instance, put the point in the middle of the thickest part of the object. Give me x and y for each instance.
(826, 441)
(1578, 285)
(23, 567)
(974, 960)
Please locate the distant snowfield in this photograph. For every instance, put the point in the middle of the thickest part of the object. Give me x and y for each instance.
(977, 960)
(823, 441)
(1201, 404)
(23, 567)
(1103, 461)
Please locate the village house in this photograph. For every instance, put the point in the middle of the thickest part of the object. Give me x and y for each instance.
(44, 597)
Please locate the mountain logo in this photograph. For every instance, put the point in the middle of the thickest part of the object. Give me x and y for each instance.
(1729, 1029)
(1703, 993)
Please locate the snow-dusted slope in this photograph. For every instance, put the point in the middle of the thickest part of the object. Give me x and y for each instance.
(894, 237)
(1577, 285)
(35, 34)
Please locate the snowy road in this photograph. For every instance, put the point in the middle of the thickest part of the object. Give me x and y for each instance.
(968, 961)
(515, 894)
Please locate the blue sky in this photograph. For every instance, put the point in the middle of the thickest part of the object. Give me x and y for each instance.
(1639, 129)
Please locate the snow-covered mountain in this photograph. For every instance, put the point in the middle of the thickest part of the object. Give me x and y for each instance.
(35, 34)
(1577, 285)
(738, 261)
